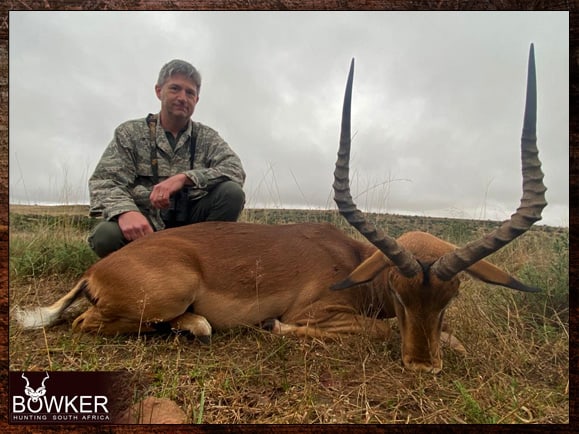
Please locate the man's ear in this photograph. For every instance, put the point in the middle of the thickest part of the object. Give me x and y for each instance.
(158, 91)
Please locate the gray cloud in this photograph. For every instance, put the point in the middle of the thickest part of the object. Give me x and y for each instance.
(437, 106)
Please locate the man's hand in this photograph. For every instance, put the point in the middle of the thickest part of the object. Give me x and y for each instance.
(163, 191)
(134, 225)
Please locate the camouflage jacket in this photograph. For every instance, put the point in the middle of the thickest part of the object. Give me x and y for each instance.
(123, 178)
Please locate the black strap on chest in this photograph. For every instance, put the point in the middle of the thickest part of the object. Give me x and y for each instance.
(152, 123)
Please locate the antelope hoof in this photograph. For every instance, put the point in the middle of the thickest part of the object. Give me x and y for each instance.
(452, 342)
(270, 325)
(204, 339)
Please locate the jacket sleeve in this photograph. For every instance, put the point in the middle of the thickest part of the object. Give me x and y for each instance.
(220, 163)
(111, 184)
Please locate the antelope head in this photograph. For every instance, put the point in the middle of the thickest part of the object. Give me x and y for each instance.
(420, 271)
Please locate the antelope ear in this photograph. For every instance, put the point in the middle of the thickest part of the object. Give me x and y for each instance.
(365, 272)
(429, 247)
(487, 272)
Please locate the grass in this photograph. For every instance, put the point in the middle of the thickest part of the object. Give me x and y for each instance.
(516, 369)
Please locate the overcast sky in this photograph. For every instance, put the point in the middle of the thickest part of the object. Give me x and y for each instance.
(436, 115)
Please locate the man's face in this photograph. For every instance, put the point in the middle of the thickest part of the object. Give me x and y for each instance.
(178, 96)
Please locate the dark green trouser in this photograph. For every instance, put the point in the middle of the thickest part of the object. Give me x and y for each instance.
(224, 203)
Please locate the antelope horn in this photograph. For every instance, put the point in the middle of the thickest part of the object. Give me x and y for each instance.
(532, 200)
(402, 258)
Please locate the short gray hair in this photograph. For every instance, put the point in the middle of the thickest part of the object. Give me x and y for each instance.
(177, 66)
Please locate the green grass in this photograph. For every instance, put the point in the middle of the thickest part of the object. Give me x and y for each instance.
(471, 407)
(46, 245)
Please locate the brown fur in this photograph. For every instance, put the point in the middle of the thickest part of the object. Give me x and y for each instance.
(229, 273)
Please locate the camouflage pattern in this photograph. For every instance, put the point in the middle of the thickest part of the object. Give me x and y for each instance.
(123, 178)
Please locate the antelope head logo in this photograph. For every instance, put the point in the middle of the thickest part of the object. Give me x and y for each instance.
(35, 395)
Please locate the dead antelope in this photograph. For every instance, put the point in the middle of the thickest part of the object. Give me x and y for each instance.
(214, 275)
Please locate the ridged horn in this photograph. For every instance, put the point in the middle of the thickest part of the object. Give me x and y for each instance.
(402, 258)
(532, 201)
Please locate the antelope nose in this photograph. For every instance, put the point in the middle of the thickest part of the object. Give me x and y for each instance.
(422, 366)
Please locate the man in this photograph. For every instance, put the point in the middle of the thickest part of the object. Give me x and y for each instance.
(145, 180)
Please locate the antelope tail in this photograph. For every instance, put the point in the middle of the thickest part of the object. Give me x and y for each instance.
(45, 316)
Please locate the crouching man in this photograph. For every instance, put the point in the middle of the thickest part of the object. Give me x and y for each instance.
(164, 170)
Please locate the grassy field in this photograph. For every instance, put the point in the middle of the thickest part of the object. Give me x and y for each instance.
(516, 369)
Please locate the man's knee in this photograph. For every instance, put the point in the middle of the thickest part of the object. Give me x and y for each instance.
(105, 238)
(227, 202)
(231, 193)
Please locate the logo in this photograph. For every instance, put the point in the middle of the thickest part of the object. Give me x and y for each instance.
(61, 397)
(35, 395)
